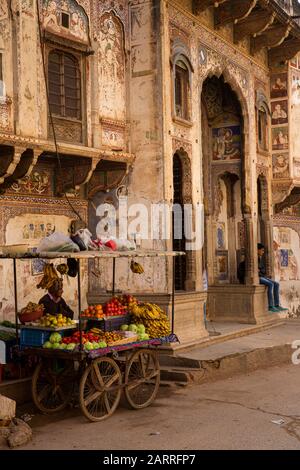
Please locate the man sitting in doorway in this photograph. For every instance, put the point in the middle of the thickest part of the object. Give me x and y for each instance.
(273, 286)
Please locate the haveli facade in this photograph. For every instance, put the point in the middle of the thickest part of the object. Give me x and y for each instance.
(187, 102)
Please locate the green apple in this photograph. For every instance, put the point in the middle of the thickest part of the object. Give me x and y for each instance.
(133, 328)
(47, 345)
(124, 327)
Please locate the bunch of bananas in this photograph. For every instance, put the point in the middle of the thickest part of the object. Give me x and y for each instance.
(136, 267)
(153, 318)
(62, 269)
(146, 311)
(50, 275)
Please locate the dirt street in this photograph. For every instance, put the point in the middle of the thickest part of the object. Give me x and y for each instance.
(235, 413)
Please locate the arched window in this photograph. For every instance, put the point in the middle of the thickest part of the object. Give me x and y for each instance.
(262, 121)
(262, 129)
(64, 85)
(181, 90)
(182, 78)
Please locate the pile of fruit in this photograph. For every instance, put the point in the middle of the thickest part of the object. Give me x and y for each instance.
(153, 318)
(94, 311)
(69, 343)
(139, 329)
(75, 338)
(114, 308)
(55, 321)
(128, 301)
(108, 337)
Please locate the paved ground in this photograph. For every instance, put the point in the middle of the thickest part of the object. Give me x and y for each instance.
(235, 413)
(283, 334)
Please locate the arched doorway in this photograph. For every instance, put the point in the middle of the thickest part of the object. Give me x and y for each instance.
(223, 161)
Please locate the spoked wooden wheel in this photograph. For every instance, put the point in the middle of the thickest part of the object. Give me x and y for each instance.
(142, 378)
(52, 385)
(100, 389)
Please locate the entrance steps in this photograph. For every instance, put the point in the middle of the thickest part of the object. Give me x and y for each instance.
(238, 354)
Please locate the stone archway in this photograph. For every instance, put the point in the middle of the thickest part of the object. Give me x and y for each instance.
(223, 157)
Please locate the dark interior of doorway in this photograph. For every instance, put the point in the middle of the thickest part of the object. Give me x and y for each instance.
(179, 243)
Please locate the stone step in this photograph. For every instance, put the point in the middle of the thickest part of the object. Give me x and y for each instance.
(241, 363)
(174, 376)
(178, 348)
(178, 363)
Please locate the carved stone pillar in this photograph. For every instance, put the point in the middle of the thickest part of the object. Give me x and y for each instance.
(251, 277)
(190, 283)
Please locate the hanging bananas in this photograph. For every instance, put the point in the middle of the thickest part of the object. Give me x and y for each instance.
(136, 267)
(62, 269)
(50, 275)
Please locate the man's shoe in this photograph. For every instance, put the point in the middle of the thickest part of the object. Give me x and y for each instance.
(273, 310)
(281, 309)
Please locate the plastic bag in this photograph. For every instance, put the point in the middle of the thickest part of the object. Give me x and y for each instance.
(125, 245)
(57, 242)
(86, 238)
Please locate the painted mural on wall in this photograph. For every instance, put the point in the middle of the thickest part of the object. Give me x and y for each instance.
(30, 229)
(295, 119)
(286, 248)
(226, 143)
(39, 182)
(280, 138)
(279, 112)
(281, 165)
(111, 65)
(66, 18)
(279, 87)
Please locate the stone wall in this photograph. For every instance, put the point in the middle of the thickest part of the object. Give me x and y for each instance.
(287, 260)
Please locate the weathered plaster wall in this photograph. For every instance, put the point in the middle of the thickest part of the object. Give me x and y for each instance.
(287, 261)
(28, 213)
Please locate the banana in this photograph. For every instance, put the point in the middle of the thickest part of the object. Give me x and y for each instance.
(136, 267)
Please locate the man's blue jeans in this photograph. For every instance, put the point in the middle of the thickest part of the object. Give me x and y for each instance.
(273, 291)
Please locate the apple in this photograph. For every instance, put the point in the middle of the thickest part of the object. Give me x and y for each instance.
(47, 345)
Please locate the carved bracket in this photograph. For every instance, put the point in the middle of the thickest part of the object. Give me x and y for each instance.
(24, 168)
(280, 191)
(201, 5)
(9, 161)
(233, 12)
(291, 200)
(255, 23)
(273, 37)
(286, 51)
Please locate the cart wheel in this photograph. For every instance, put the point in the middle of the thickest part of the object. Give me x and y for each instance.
(142, 378)
(52, 385)
(100, 389)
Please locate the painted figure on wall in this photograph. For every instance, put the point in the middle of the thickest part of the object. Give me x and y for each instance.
(281, 166)
(226, 143)
(279, 112)
(279, 85)
(112, 68)
(280, 138)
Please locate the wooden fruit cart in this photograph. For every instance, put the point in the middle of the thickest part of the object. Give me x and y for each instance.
(99, 376)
